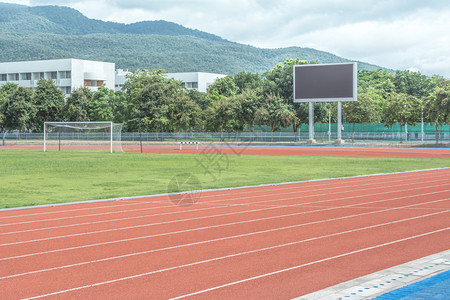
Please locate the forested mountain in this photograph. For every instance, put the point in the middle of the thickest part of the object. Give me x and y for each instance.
(51, 32)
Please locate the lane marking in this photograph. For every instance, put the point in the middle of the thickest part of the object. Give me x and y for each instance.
(304, 265)
(239, 254)
(226, 206)
(220, 215)
(212, 216)
(236, 236)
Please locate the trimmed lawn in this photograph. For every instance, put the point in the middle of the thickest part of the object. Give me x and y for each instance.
(32, 177)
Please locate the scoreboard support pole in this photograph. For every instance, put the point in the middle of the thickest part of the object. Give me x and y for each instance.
(311, 123)
(339, 123)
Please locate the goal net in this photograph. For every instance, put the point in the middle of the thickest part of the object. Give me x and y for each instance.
(99, 136)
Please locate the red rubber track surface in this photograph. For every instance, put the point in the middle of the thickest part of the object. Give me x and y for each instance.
(275, 150)
(278, 242)
(315, 151)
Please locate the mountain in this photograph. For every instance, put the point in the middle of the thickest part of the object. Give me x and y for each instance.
(51, 32)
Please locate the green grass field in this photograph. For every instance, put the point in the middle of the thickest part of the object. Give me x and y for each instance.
(31, 177)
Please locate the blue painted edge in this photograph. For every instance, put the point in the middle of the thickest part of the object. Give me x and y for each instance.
(417, 287)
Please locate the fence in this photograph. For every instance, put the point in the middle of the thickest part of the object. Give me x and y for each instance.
(413, 134)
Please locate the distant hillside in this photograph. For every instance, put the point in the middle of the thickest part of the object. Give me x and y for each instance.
(50, 32)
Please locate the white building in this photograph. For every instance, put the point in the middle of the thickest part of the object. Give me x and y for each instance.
(121, 77)
(190, 80)
(68, 74)
(196, 80)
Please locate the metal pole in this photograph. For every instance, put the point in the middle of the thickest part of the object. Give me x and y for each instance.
(140, 134)
(329, 125)
(311, 121)
(45, 133)
(111, 139)
(59, 141)
(406, 131)
(339, 122)
(422, 127)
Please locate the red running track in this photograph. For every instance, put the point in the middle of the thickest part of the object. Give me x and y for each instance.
(279, 241)
(316, 151)
(278, 150)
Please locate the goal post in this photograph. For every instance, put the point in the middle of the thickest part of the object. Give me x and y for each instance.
(100, 136)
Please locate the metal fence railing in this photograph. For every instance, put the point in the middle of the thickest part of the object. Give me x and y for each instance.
(133, 138)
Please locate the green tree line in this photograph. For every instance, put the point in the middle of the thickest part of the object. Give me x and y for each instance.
(150, 101)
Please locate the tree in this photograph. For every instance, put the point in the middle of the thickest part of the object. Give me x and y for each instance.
(302, 114)
(183, 112)
(222, 114)
(201, 99)
(6, 91)
(19, 110)
(49, 102)
(223, 86)
(101, 105)
(379, 81)
(77, 105)
(149, 94)
(361, 111)
(403, 109)
(413, 83)
(120, 107)
(247, 103)
(247, 81)
(437, 107)
(275, 112)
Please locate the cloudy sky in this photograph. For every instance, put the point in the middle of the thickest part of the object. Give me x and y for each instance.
(398, 34)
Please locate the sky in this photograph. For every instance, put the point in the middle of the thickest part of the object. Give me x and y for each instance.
(397, 34)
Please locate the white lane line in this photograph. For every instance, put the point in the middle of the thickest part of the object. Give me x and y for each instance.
(227, 205)
(245, 253)
(294, 267)
(218, 215)
(233, 237)
(112, 220)
(115, 204)
(319, 183)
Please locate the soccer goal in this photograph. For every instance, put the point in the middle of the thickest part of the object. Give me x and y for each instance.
(99, 136)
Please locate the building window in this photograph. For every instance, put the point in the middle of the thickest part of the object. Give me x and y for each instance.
(65, 74)
(14, 77)
(87, 83)
(190, 85)
(26, 76)
(100, 83)
(3, 77)
(53, 75)
(68, 90)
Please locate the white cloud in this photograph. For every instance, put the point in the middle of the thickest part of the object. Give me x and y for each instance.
(397, 34)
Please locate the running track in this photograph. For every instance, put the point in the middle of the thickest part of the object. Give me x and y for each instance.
(279, 241)
(302, 150)
(278, 150)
